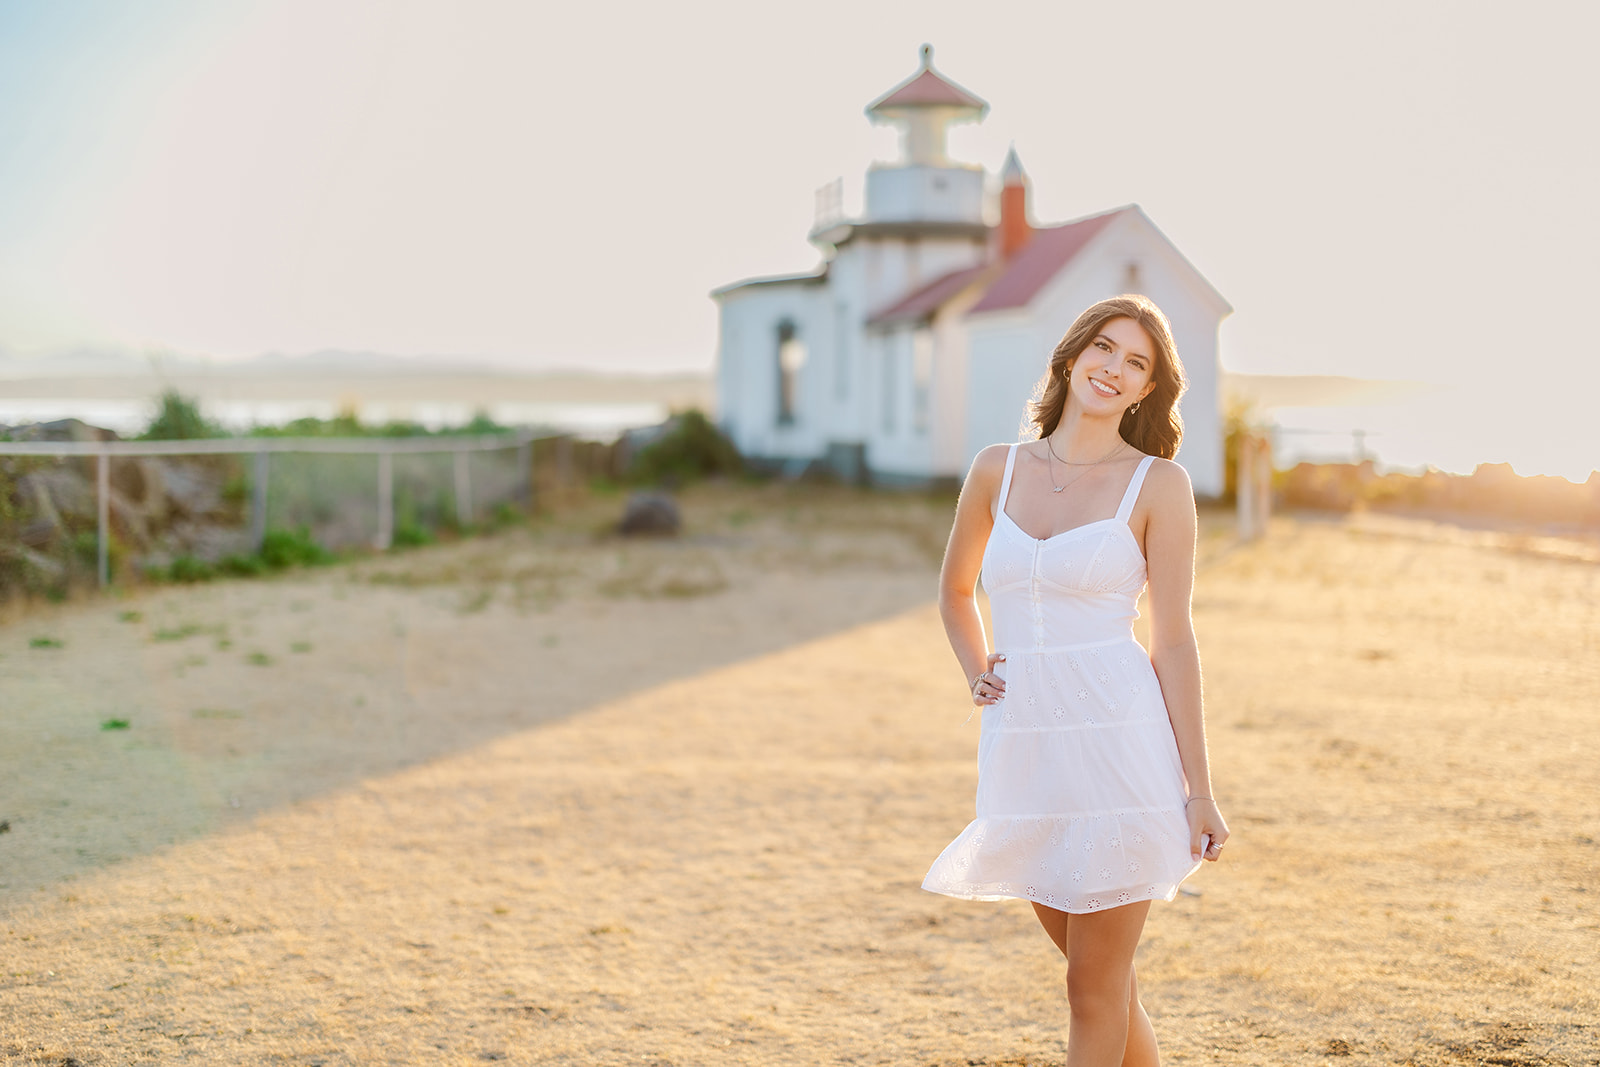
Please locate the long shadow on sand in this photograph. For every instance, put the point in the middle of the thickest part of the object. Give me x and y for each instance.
(241, 697)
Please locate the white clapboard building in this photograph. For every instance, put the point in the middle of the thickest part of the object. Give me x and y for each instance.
(920, 338)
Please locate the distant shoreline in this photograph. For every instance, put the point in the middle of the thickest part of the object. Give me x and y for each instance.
(1402, 425)
(673, 390)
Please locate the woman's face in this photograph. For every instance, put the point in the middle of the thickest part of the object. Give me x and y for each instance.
(1115, 371)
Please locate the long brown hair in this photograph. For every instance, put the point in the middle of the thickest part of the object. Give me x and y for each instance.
(1156, 429)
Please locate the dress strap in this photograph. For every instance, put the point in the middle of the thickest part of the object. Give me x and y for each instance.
(1005, 483)
(1131, 497)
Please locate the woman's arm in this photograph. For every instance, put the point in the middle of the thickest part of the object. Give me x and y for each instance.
(958, 578)
(1169, 541)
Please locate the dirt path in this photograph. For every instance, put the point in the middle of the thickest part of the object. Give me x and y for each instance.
(722, 866)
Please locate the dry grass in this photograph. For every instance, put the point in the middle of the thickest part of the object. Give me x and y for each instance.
(704, 844)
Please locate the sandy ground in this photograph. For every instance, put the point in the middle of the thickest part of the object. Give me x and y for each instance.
(548, 798)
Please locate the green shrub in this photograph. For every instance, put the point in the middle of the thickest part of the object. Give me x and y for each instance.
(692, 448)
(480, 423)
(412, 535)
(291, 548)
(190, 569)
(178, 418)
(241, 566)
(505, 513)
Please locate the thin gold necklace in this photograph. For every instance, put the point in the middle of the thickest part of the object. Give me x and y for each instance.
(1054, 488)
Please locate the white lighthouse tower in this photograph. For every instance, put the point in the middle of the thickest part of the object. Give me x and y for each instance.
(924, 185)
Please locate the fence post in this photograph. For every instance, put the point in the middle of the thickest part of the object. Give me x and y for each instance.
(1263, 484)
(1253, 482)
(525, 466)
(258, 502)
(463, 490)
(385, 501)
(564, 460)
(102, 487)
(1244, 481)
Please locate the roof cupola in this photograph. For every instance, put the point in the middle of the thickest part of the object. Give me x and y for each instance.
(924, 188)
(924, 105)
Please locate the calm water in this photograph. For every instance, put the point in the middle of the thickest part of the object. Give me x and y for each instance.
(595, 421)
(1453, 428)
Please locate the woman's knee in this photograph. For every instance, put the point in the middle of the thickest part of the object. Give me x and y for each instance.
(1097, 994)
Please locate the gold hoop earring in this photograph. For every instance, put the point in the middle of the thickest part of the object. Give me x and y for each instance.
(1134, 406)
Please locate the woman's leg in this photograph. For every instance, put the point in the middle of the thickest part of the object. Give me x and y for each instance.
(1142, 1050)
(1109, 1027)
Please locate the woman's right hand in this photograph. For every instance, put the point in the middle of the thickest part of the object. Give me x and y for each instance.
(988, 687)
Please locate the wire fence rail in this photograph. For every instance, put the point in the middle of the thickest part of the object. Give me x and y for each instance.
(263, 448)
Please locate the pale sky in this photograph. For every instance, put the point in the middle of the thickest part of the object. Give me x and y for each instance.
(1385, 189)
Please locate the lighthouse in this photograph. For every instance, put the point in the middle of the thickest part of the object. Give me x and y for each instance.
(919, 337)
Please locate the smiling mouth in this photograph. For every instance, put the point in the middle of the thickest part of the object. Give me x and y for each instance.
(1103, 389)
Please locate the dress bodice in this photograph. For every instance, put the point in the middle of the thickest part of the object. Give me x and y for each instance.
(1081, 793)
(1076, 588)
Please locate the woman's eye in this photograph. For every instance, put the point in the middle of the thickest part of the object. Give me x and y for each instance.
(1102, 346)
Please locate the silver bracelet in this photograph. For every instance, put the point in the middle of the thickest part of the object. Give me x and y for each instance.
(1191, 800)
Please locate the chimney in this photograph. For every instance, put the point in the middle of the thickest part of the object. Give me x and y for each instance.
(1014, 229)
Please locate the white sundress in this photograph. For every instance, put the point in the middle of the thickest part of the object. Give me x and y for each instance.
(1080, 789)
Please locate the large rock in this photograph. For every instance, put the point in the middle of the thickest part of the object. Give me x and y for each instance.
(650, 515)
(59, 430)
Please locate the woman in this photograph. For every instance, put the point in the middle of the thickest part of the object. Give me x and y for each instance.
(1094, 790)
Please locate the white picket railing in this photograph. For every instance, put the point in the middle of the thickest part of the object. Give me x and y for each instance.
(385, 448)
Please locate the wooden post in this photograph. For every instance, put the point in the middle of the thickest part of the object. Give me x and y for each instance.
(258, 502)
(1263, 472)
(463, 490)
(564, 461)
(102, 486)
(1253, 481)
(385, 536)
(1244, 481)
(525, 467)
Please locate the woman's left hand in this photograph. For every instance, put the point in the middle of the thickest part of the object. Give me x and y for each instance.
(1207, 830)
(989, 687)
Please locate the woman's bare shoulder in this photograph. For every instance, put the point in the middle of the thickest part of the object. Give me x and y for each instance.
(1167, 484)
(984, 477)
(989, 465)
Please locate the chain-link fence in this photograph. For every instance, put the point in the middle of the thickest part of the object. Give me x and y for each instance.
(109, 508)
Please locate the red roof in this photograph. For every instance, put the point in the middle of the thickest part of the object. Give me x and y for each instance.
(927, 88)
(1049, 250)
(921, 303)
(1012, 283)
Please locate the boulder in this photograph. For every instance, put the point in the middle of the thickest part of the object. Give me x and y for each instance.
(650, 515)
(59, 430)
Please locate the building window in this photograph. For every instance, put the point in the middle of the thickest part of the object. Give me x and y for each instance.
(1132, 279)
(791, 357)
(921, 377)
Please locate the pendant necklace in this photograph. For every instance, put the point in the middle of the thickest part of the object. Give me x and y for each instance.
(1087, 467)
